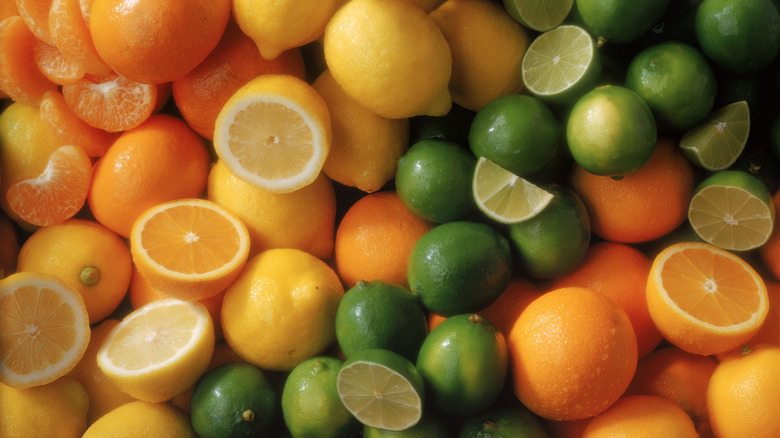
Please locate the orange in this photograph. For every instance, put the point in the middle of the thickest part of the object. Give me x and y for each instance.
(20, 78)
(154, 41)
(744, 392)
(769, 333)
(704, 299)
(619, 271)
(54, 65)
(643, 205)
(160, 160)
(9, 246)
(70, 33)
(68, 128)
(36, 16)
(770, 251)
(8, 8)
(375, 238)
(573, 354)
(201, 93)
(679, 377)
(641, 416)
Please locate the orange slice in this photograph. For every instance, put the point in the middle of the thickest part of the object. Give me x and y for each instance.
(69, 32)
(20, 77)
(190, 248)
(44, 329)
(112, 103)
(58, 193)
(36, 16)
(68, 128)
(54, 65)
(704, 299)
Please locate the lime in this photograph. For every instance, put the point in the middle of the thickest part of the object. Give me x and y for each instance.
(733, 210)
(459, 267)
(464, 363)
(503, 421)
(733, 87)
(310, 403)
(431, 425)
(233, 399)
(453, 126)
(676, 24)
(382, 389)
(611, 131)
(561, 65)
(620, 21)
(376, 314)
(556, 240)
(516, 131)
(504, 196)
(539, 15)
(739, 36)
(433, 180)
(677, 83)
(774, 135)
(717, 142)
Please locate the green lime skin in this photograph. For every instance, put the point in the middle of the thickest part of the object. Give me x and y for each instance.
(464, 363)
(738, 36)
(518, 132)
(556, 240)
(431, 425)
(611, 131)
(620, 21)
(233, 400)
(310, 402)
(677, 83)
(511, 420)
(459, 267)
(453, 126)
(676, 24)
(376, 314)
(433, 181)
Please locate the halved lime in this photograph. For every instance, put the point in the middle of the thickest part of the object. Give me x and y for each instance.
(733, 210)
(381, 389)
(561, 64)
(504, 196)
(716, 143)
(539, 15)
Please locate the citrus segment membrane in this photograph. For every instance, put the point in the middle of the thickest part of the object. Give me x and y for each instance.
(717, 142)
(504, 196)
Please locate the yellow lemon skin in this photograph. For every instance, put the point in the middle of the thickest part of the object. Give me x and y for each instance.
(139, 419)
(56, 409)
(391, 57)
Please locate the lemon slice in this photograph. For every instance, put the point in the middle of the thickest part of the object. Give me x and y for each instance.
(539, 15)
(159, 350)
(274, 132)
(504, 196)
(717, 142)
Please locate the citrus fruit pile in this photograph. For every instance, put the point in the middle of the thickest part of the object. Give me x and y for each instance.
(409, 218)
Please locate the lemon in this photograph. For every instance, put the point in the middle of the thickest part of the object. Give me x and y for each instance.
(274, 132)
(56, 409)
(487, 48)
(391, 57)
(365, 146)
(281, 310)
(140, 419)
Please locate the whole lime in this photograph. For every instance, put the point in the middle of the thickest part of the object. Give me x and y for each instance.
(433, 180)
(459, 267)
(464, 363)
(677, 83)
(620, 21)
(453, 126)
(310, 402)
(376, 314)
(518, 132)
(503, 421)
(234, 399)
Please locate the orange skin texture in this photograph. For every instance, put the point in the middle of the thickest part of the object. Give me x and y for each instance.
(770, 251)
(641, 416)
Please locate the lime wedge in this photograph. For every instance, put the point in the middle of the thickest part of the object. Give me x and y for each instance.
(539, 15)
(504, 196)
(381, 389)
(733, 210)
(716, 143)
(561, 64)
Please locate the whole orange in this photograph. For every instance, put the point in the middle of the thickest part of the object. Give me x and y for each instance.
(154, 41)
(641, 416)
(769, 333)
(573, 354)
(769, 252)
(160, 160)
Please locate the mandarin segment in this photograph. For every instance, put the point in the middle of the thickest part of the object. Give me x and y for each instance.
(53, 64)
(68, 128)
(20, 77)
(70, 33)
(35, 14)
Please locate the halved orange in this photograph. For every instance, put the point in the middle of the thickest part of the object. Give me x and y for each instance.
(20, 77)
(68, 128)
(189, 249)
(55, 65)
(44, 329)
(36, 16)
(58, 193)
(70, 32)
(705, 300)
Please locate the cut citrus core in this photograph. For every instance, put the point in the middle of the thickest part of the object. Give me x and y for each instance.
(504, 196)
(717, 142)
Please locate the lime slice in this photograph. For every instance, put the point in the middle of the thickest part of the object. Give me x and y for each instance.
(381, 389)
(733, 210)
(561, 64)
(504, 196)
(716, 143)
(539, 15)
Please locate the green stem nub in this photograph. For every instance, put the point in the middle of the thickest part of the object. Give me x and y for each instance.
(248, 416)
(89, 276)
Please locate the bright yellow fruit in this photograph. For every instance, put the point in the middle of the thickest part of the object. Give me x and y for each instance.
(139, 419)
(57, 409)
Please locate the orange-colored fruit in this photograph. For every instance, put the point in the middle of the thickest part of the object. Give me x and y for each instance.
(54, 65)
(643, 205)
(619, 271)
(573, 354)
(641, 416)
(744, 392)
(8, 8)
(68, 128)
(36, 16)
(201, 93)
(679, 377)
(70, 33)
(154, 41)
(160, 160)
(374, 239)
(769, 333)
(770, 251)
(20, 78)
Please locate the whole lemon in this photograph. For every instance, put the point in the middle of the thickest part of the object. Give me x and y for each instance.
(56, 409)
